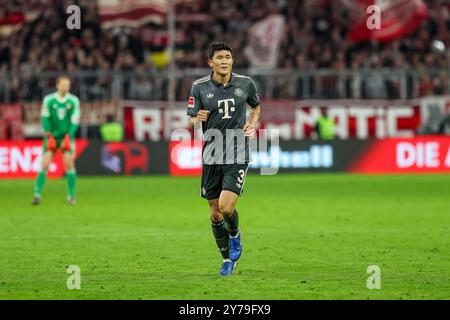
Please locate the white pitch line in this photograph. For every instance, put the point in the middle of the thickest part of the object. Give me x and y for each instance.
(118, 235)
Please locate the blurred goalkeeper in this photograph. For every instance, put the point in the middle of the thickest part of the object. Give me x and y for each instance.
(60, 116)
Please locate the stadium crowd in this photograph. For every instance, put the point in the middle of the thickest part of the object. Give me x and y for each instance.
(316, 37)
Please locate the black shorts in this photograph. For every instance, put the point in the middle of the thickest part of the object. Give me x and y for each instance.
(218, 177)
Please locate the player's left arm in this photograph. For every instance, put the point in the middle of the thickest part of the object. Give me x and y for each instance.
(74, 118)
(74, 122)
(255, 111)
(252, 121)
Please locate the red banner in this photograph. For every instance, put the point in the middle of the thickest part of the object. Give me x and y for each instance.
(425, 154)
(11, 123)
(11, 22)
(23, 159)
(131, 13)
(361, 119)
(397, 18)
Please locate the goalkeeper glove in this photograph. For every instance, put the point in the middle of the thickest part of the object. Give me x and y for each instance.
(51, 143)
(66, 143)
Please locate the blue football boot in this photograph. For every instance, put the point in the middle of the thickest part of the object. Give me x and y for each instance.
(227, 268)
(235, 248)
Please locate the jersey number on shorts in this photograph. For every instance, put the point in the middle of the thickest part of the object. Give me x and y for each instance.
(241, 176)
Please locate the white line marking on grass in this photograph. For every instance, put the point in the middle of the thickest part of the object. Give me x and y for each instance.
(104, 235)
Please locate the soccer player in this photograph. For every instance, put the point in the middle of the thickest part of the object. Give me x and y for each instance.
(60, 116)
(219, 102)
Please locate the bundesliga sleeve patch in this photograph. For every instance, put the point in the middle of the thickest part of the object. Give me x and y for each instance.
(191, 102)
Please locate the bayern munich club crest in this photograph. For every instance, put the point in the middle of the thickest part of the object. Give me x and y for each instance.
(238, 92)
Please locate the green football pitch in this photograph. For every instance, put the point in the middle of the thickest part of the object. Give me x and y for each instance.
(304, 237)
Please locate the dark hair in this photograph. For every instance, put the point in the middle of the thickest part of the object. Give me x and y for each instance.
(218, 46)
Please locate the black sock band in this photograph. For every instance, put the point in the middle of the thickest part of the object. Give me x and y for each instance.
(232, 223)
(221, 235)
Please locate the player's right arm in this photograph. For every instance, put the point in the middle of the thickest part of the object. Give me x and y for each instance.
(195, 108)
(45, 116)
(49, 140)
